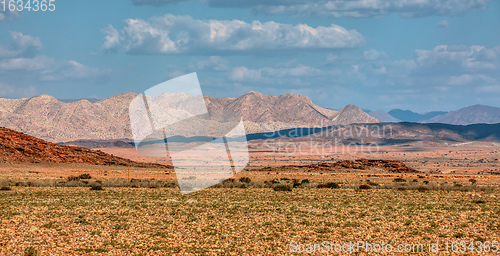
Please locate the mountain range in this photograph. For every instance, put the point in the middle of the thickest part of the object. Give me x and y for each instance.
(54, 120)
(47, 118)
(413, 117)
(476, 114)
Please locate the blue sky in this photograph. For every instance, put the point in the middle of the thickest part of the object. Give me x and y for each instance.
(420, 55)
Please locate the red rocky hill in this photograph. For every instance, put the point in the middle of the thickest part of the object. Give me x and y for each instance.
(17, 147)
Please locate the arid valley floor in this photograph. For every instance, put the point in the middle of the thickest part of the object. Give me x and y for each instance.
(49, 209)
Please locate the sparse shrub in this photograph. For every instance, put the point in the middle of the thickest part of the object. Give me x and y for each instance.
(422, 189)
(399, 180)
(473, 181)
(458, 185)
(364, 186)
(245, 180)
(305, 181)
(96, 187)
(284, 179)
(31, 251)
(328, 185)
(282, 187)
(479, 201)
(5, 188)
(85, 176)
(73, 178)
(426, 182)
(371, 183)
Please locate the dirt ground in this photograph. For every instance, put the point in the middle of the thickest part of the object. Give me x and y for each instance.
(49, 209)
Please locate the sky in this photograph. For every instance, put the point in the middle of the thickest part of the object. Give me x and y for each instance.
(420, 55)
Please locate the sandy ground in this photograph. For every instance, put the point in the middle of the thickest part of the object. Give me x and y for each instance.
(466, 158)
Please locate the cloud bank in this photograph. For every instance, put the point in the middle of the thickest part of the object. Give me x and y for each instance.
(172, 34)
(355, 8)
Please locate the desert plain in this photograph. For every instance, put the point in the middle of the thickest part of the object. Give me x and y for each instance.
(283, 203)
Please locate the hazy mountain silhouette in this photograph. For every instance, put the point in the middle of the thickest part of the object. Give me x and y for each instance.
(383, 116)
(410, 116)
(476, 114)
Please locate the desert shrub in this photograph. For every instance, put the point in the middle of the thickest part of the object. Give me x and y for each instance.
(73, 178)
(364, 186)
(305, 181)
(282, 187)
(245, 180)
(5, 188)
(371, 183)
(85, 176)
(284, 179)
(426, 182)
(31, 251)
(399, 180)
(473, 181)
(422, 189)
(328, 185)
(96, 187)
(479, 201)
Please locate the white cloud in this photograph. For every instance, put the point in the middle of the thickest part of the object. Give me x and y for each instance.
(27, 64)
(112, 38)
(356, 8)
(469, 79)
(8, 15)
(213, 63)
(155, 2)
(72, 70)
(298, 75)
(7, 90)
(442, 24)
(21, 46)
(21, 58)
(172, 34)
(446, 60)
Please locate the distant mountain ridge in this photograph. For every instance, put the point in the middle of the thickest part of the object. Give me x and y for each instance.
(410, 116)
(383, 116)
(47, 118)
(476, 114)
